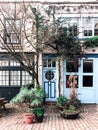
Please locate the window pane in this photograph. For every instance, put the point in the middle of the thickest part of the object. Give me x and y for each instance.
(71, 66)
(49, 62)
(87, 81)
(14, 63)
(44, 62)
(12, 31)
(15, 77)
(53, 63)
(71, 80)
(4, 62)
(87, 26)
(87, 66)
(26, 78)
(4, 78)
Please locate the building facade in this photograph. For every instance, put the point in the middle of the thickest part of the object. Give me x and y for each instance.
(84, 15)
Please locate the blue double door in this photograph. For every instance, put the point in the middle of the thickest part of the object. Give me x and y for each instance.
(49, 84)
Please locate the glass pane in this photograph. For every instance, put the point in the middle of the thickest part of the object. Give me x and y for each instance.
(87, 81)
(71, 66)
(15, 77)
(4, 78)
(26, 78)
(71, 81)
(4, 62)
(14, 63)
(53, 63)
(44, 62)
(87, 66)
(49, 62)
(87, 26)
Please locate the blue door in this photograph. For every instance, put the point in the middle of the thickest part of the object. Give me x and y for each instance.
(49, 84)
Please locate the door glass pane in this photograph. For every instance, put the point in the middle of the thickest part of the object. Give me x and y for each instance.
(53, 63)
(71, 80)
(71, 66)
(87, 81)
(87, 66)
(44, 62)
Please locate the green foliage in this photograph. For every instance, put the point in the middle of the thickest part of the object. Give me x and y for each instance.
(22, 97)
(61, 101)
(32, 97)
(91, 42)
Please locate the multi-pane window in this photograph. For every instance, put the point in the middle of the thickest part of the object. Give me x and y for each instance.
(87, 73)
(68, 25)
(12, 31)
(13, 74)
(49, 62)
(90, 26)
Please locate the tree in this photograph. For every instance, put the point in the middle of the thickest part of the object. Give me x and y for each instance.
(33, 33)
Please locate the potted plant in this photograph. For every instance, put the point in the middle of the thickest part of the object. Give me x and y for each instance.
(61, 102)
(33, 98)
(71, 106)
(37, 103)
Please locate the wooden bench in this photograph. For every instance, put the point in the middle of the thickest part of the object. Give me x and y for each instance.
(3, 102)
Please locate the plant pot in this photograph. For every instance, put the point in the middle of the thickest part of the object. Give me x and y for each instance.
(36, 110)
(29, 118)
(70, 115)
(39, 119)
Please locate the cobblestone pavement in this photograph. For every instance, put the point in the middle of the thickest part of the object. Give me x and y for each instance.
(12, 119)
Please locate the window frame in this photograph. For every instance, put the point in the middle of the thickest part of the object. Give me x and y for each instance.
(12, 33)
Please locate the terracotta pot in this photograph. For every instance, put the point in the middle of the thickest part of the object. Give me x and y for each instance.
(29, 118)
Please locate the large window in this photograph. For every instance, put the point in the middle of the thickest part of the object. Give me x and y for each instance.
(90, 26)
(12, 31)
(13, 74)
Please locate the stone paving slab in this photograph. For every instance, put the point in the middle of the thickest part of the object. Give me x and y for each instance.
(88, 120)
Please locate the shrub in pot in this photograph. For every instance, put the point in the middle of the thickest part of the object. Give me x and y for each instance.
(33, 98)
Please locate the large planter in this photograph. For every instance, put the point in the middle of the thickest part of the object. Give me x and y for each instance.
(70, 115)
(29, 118)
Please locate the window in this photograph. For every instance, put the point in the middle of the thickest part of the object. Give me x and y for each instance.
(49, 63)
(90, 26)
(12, 31)
(13, 74)
(74, 80)
(87, 81)
(68, 25)
(72, 72)
(71, 66)
(87, 73)
(87, 66)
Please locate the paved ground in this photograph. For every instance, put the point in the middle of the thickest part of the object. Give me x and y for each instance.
(12, 119)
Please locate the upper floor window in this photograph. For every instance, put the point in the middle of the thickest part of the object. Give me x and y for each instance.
(90, 26)
(69, 25)
(12, 31)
